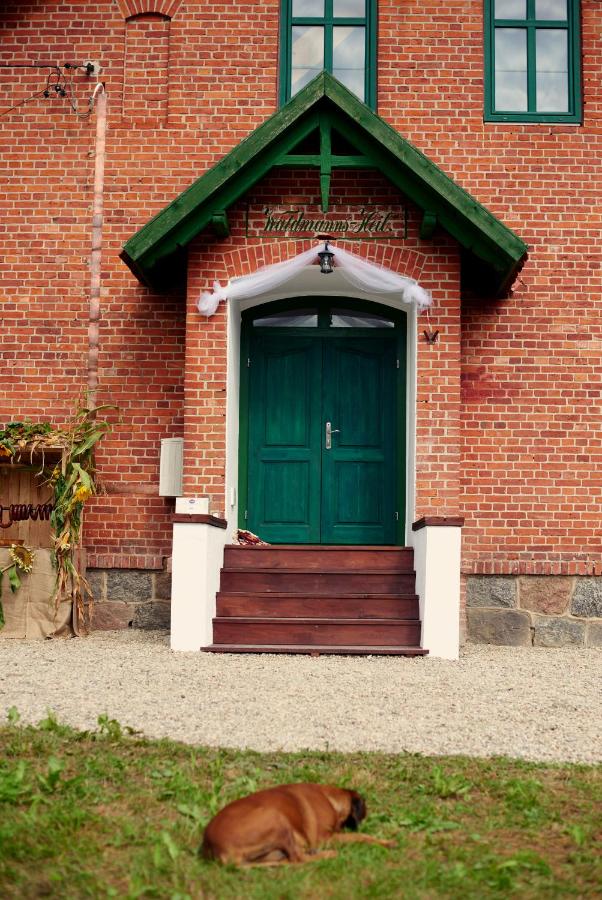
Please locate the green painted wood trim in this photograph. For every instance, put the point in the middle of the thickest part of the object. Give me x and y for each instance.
(428, 225)
(315, 161)
(402, 448)
(573, 26)
(473, 226)
(400, 333)
(285, 51)
(220, 224)
(325, 161)
(243, 425)
(371, 56)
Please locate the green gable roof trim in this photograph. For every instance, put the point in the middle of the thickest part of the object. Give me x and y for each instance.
(492, 254)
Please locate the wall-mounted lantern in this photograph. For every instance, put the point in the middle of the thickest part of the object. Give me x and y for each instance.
(326, 258)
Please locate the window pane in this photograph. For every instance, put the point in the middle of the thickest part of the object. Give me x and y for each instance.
(551, 9)
(552, 93)
(298, 318)
(551, 50)
(510, 9)
(353, 8)
(307, 55)
(551, 55)
(348, 57)
(346, 318)
(308, 8)
(511, 69)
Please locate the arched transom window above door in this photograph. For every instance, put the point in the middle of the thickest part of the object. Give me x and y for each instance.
(342, 313)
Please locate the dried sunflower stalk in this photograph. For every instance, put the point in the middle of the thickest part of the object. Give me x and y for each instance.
(22, 560)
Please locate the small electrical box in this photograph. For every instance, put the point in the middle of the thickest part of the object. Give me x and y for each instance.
(170, 473)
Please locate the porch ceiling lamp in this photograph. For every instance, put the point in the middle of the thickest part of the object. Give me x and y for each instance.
(326, 258)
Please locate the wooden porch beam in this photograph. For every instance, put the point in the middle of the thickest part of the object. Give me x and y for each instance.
(428, 225)
(220, 224)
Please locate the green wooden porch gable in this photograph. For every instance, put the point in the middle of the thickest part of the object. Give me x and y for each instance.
(492, 254)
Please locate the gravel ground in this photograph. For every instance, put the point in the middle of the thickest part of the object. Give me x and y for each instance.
(536, 704)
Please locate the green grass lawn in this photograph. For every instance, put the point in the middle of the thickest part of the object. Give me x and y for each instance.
(107, 814)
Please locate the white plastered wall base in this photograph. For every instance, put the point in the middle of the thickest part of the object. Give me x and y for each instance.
(437, 564)
(198, 551)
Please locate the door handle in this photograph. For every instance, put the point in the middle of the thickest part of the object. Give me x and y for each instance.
(329, 432)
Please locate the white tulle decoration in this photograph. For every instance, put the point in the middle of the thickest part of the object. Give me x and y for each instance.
(359, 273)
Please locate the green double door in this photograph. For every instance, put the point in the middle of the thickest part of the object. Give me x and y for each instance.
(322, 438)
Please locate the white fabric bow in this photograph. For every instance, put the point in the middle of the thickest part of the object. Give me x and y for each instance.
(359, 273)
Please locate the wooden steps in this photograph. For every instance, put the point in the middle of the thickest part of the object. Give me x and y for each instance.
(317, 599)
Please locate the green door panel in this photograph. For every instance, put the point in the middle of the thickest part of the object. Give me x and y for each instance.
(298, 490)
(284, 439)
(358, 472)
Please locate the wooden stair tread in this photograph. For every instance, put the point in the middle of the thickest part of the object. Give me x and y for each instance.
(309, 620)
(317, 649)
(304, 557)
(314, 595)
(305, 571)
(322, 547)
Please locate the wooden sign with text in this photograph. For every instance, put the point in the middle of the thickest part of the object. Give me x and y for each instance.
(342, 222)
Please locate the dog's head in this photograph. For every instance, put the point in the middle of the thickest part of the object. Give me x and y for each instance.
(357, 811)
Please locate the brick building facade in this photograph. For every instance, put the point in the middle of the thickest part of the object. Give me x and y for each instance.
(503, 425)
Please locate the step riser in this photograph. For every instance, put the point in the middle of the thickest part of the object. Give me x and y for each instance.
(249, 558)
(318, 582)
(316, 650)
(225, 632)
(317, 607)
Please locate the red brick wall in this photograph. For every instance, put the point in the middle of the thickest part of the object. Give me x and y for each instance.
(146, 69)
(520, 458)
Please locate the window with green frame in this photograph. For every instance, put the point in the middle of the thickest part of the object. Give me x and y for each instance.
(532, 61)
(336, 35)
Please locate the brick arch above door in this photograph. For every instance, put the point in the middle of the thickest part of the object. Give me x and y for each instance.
(167, 8)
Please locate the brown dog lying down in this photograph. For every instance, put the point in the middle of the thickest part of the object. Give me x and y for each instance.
(285, 824)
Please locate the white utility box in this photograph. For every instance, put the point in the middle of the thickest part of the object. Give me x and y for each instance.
(172, 462)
